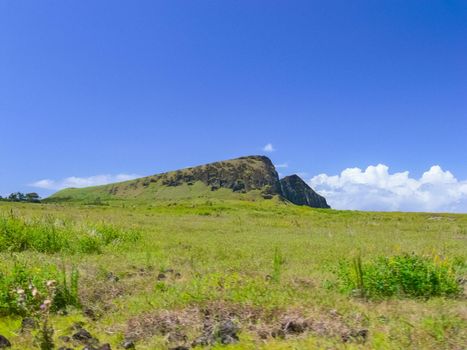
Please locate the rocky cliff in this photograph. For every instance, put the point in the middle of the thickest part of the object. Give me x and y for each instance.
(297, 191)
(240, 175)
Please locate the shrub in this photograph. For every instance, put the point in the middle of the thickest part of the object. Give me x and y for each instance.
(401, 275)
(21, 286)
(49, 235)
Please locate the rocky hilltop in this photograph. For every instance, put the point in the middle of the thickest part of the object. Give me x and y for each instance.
(242, 174)
(297, 191)
(252, 175)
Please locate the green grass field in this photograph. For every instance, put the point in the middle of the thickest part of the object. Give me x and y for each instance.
(165, 275)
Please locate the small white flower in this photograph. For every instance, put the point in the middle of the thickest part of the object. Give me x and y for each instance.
(51, 283)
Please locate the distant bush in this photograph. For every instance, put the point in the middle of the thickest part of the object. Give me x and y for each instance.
(49, 235)
(401, 275)
(31, 197)
(22, 288)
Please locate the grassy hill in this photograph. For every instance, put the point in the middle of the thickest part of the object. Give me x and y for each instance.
(246, 178)
(206, 271)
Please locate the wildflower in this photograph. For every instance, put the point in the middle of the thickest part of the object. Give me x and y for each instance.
(46, 305)
(51, 283)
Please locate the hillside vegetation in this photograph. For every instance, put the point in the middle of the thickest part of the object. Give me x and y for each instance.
(247, 178)
(233, 270)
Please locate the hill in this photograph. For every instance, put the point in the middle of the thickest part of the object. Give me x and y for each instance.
(250, 178)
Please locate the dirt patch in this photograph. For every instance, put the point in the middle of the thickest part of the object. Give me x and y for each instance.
(221, 323)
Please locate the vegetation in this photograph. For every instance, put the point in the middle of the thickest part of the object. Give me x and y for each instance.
(50, 235)
(22, 286)
(406, 275)
(31, 197)
(259, 274)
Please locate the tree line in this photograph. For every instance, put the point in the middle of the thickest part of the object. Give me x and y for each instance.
(31, 197)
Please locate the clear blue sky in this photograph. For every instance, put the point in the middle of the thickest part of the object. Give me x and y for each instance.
(106, 87)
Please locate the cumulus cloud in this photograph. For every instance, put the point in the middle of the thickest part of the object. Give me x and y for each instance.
(375, 188)
(268, 148)
(75, 181)
(281, 166)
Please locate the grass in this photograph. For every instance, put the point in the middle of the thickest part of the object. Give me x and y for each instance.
(50, 235)
(406, 275)
(271, 267)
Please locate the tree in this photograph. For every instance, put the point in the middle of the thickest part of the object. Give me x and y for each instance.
(33, 197)
(16, 197)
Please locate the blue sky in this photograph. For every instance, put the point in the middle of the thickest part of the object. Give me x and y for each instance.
(122, 88)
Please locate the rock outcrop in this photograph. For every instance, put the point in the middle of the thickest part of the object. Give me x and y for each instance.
(240, 175)
(297, 191)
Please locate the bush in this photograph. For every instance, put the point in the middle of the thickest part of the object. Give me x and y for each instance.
(21, 285)
(49, 235)
(401, 275)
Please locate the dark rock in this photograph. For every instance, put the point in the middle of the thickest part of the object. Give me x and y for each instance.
(177, 337)
(161, 276)
(180, 347)
(4, 342)
(238, 186)
(355, 335)
(207, 338)
(128, 344)
(82, 336)
(112, 277)
(294, 189)
(228, 332)
(228, 339)
(363, 333)
(27, 324)
(105, 346)
(295, 326)
(64, 338)
(88, 312)
(278, 333)
(64, 348)
(203, 340)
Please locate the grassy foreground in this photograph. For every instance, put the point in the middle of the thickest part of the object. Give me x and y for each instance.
(168, 274)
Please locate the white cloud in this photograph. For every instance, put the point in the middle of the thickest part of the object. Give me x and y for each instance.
(281, 166)
(268, 148)
(376, 189)
(75, 181)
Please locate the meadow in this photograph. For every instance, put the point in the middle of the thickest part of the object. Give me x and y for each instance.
(240, 274)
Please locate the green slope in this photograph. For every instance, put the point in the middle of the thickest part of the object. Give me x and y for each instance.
(248, 178)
